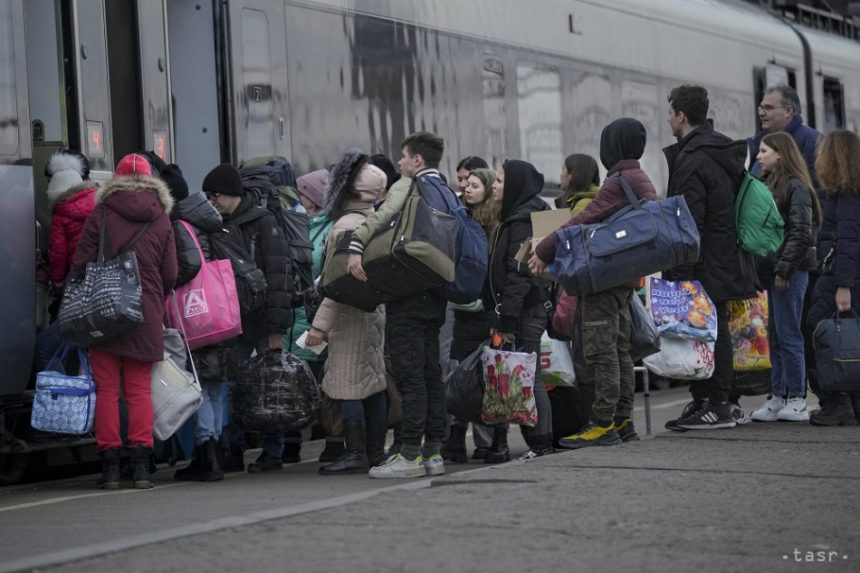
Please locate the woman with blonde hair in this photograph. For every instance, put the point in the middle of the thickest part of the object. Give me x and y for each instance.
(472, 323)
(787, 274)
(838, 168)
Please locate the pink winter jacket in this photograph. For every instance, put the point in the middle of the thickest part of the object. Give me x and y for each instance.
(70, 212)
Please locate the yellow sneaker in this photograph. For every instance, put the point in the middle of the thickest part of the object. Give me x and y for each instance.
(592, 435)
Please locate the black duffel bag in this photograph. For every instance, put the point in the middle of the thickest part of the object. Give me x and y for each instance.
(464, 387)
(277, 392)
(837, 353)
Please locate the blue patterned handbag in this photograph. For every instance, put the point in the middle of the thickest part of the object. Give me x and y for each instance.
(64, 404)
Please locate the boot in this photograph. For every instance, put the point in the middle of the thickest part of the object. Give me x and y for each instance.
(210, 470)
(377, 431)
(499, 451)
(110, 469)
(194, 470)
(454, 448)
(838, 412)
(333, 449)
(545, 445)
(355, 458)
(855, 402)
(140, 466)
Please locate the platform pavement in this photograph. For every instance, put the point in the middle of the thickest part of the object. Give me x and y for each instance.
(755, 498)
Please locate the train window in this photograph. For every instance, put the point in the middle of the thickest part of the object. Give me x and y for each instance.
(8, 90)
(539, 107)
(834, 104)
(256, 72)
(495, 111)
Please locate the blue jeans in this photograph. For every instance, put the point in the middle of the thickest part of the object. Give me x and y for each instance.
(272, 442)
(374, 407)
(210, 416)
(785, 310)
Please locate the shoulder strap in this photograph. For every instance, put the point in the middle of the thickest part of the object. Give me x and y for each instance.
(251, 215)
(628, 190)
(191, 232)
(134, 238)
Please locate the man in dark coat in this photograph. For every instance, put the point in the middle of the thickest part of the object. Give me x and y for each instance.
(253, 230)
(706, 167)
(603, 318)
(779, 110)
(131, 201)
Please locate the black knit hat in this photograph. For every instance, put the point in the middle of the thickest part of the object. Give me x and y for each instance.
(383, 162)
(172, 176)
(223, 180)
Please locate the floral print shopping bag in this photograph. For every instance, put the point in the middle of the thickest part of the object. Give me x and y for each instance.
(509, 379)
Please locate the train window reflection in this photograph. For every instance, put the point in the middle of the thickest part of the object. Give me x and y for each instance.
(495, 111)
(256, 71)
(834, 105)
(539, 106)
(8, 92)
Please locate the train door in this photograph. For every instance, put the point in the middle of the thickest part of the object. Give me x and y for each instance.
(193, 34)
(17, 237)
(259, 78)
(139, 78)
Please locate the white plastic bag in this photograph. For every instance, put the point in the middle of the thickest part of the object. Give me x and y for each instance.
(556, 366)
(682, 359)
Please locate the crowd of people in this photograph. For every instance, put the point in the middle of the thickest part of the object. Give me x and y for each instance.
(815, 182)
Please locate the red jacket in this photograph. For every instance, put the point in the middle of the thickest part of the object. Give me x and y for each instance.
(609, 200)
(70, 212)
(127, 203)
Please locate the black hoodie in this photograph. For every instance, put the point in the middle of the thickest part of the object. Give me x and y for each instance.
(706, 168)
(623, 138)
(511, 288)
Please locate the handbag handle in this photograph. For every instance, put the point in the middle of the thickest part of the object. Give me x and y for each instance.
(191, 232)
(184, 337)
(59, 357)
(134, 238)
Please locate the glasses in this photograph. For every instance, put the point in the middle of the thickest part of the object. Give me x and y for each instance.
(767, 108)
(211, 196)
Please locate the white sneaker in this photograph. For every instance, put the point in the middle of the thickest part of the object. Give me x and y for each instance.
(793, 411)
(399, 467)
(769, 410)
(434, 465)
(738, 415)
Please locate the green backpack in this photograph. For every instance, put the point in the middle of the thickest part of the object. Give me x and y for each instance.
(759, 225)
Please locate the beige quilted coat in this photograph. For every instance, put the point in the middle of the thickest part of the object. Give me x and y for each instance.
(355, 368)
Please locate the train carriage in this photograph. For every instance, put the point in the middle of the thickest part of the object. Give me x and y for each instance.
(206, 81)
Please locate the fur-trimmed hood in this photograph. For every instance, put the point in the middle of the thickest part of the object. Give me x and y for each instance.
(71, 192)
(138, 198)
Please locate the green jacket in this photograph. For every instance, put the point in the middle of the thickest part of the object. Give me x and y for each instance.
(392, 205)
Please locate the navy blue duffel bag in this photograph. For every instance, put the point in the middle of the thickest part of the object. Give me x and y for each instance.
(645, 238)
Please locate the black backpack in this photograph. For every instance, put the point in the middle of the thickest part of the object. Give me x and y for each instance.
(261, 183)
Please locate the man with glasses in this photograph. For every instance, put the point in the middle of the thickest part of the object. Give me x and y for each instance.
(780, 111)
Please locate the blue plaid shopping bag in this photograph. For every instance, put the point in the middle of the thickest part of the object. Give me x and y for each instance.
(64, 404)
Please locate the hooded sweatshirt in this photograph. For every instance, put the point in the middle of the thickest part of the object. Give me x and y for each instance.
(512, 288)
(622, 143)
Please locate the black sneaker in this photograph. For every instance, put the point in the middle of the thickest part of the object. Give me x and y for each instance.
(480, 453)
(691, 407)
(625, 429)
(709, 417)
(292, 453)
(265, 463)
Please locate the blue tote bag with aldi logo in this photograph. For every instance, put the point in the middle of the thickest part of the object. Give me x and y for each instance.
(64, 404)
(645, 238)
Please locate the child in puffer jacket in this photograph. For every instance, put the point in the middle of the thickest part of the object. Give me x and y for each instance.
(72, 198)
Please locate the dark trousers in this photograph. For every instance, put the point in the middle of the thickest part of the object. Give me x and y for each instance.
(719, 385)
(412, 342)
